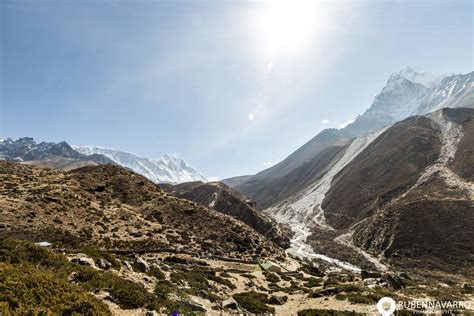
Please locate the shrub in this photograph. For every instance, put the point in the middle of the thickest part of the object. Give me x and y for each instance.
(162, 290)
(271, 277)
(126, 293)
(340, 297)
(311, 269)
(222, 281)
(225, 275)
(26, 290)
(254, 302)
(357, 298)
(156, 272)
(312, 282)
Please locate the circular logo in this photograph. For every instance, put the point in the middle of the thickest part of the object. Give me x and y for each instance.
(386, 301)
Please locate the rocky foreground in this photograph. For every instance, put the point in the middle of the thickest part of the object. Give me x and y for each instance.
(102, 240)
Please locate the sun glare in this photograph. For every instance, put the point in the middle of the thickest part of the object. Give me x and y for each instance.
(286, 26)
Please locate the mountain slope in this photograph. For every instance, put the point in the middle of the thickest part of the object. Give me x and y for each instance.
(406, 196)
(111, 207)
(407, 92)
(165, 169)
(283, 179)
(223, 199)
(389, 165)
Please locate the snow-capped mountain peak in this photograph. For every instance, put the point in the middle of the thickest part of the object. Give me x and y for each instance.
(417, 75)
(412, 91)
(164, 169)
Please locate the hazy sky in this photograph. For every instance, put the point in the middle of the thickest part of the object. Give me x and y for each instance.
(230, 86)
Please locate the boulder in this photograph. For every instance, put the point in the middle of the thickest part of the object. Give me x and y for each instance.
(369, 281)
(230, 303)
(127, 265)
(467, 287)
(369, 274)
(393, 280)
(277, 300)
(103, 264)
(315, 294)
(83, 260)
(194, 306)
(330, 291)
(141, 265)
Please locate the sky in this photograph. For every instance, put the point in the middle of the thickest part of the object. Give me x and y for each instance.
(232, 87)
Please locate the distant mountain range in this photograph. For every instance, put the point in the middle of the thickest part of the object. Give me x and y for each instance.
(63, 156)
(164, 169)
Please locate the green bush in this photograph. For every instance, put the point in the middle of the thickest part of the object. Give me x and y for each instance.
(271, 277)
(222, 281)
(126, 293)
(156, 272)
(357, 298)
(312, 282)
(26, 290)
(311, 269)
(254, 302)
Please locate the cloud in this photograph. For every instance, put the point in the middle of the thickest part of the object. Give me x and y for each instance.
(268, 164)
(251, 116)
(212, 179)
(324, 122)
(344, 124)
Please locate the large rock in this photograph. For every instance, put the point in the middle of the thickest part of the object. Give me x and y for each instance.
(369, 281)
(103, 264)
(393, 280)
(194, 306)
(277, 300)
(141, 265)
(230, 303)
(369, 274)
(83, 260)
(127, 265)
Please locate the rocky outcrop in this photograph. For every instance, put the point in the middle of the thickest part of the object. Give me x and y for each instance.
(223, 199)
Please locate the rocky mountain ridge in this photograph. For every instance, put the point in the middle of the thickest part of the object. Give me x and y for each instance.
(220, 197)
(399, 99)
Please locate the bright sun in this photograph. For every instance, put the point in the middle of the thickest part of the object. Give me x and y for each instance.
(286, 26)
